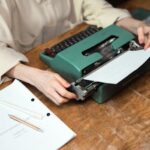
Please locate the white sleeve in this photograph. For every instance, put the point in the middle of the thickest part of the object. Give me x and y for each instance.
(9, 57)
(101, 13)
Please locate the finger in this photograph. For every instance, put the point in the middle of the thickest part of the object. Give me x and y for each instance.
(56, 98)
(50, 94)
(64, 92)
(62, 81)
(147, 45)
(141, 36)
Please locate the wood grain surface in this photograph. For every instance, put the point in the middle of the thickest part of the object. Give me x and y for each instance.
(122, 123)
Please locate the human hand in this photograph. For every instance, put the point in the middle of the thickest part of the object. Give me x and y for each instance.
(143, 32)
(140, 28)
(53, 86)
(49, 83)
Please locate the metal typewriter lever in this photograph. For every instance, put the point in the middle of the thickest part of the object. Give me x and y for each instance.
(83, 88)
(134, 46)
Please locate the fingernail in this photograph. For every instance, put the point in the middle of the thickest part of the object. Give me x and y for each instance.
(141, 41)
(145, 47)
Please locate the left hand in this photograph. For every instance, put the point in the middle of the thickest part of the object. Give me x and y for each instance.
(143, 32)
(137, 27)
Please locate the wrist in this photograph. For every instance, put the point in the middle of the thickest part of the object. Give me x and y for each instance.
(24, 73)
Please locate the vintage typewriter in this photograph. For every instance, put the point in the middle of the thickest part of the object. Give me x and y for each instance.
(88, 50)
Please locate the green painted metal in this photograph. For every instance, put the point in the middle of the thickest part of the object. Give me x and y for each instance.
(71, 62)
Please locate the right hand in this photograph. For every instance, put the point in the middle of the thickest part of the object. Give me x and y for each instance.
(53, 86)
(49, 83)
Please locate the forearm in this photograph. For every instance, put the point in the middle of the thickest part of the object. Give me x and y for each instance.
(49, 83)
(130, 24)
(23, 72)
(137, 27)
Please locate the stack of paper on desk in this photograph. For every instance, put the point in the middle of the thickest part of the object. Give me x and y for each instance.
(119, 68)
(18, 101)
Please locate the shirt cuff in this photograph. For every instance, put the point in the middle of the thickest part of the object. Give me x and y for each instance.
(8, 59)
(109, 17)
(116, 14)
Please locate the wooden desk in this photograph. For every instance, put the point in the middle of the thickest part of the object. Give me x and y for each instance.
(122, 123)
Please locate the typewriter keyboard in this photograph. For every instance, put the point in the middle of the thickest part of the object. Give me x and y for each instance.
(52, 51)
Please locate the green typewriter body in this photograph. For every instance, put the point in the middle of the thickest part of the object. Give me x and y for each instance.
(86, 51)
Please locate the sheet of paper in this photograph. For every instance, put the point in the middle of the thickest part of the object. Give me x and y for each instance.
(119, 68)
(17, 100)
